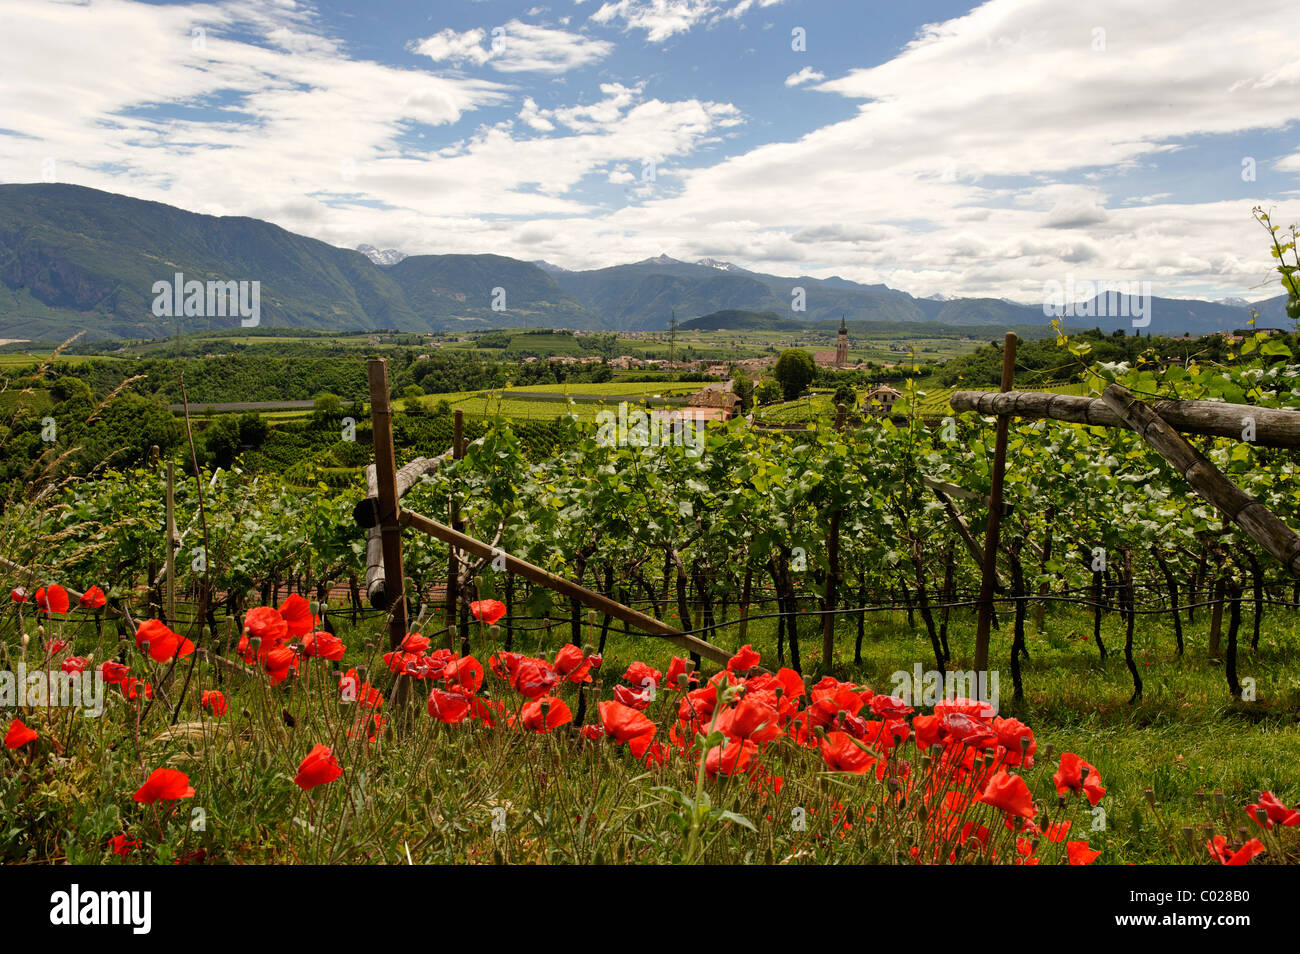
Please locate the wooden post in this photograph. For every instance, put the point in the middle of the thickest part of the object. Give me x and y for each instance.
(1233, 502)
(1216, 617)
(833, 567)
(170, 560)
(381, 416)
(989, 577)
(453, 568)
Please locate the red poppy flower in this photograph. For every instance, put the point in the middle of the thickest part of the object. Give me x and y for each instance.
(1056, 831)
(676, 669)
(624, 724)
(841, 753)
(132, 687)
(323, 646)
(55, 646)
(18, 594)
(414, 643)
(164, 645)
(93, 598)
(488, 611)
(752, 718)
(319, 768)
(113, 671)
(1079, 853)
(267, 625)
(735, 758)
(53, 600)
(534, 678)
(1275, 812)
(890, 707)
(464, 673)
(166, 784)
(1069, 778)
(123, 844)
(19, 735)
(448, 707)
(1010, 794)
(556, 714)
(1018, 739)
(214, 702)
(1218, 848)
(278, 661)
(570, 664)
(297, 615)
(744, 660)
(74, 664)
(641, 675)
(630, 697)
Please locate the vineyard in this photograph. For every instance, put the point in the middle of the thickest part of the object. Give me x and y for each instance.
(827, 589)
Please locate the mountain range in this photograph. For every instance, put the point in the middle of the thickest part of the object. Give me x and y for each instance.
(78, 259)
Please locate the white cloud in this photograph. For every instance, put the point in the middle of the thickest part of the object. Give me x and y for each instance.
(516, 47)
(805, 75)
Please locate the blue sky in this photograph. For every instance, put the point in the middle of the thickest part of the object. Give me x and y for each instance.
(960, 149)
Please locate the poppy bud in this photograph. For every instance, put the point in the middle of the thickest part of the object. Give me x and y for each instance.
(1220, 799)
(682, 681)
(591, 617)
(1024, 745)
(26, 640)
(1048, 750)
(494, 632)
(315, 606)
(600, 857)
(255, 642)
(622, 852)
(1189, 836)
(1150, 797)
(497, 857)
(388, 732)
(427, 797)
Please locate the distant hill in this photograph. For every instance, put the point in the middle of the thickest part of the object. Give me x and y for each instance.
(77, 259)
(732, 320)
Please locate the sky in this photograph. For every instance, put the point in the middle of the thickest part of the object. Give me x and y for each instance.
(938, 148)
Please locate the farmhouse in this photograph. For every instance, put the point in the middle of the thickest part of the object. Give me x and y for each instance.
(713, 402)
(880, 399)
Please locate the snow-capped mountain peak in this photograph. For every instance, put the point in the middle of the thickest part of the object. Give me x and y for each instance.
(387, 257)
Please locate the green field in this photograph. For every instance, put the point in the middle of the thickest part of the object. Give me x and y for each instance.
(587, 399)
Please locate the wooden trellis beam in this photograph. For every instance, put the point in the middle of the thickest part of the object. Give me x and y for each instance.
(1237, 505)
(559, 584)
(1272, 427)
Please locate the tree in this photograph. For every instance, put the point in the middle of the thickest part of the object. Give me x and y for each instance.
(844, 394)
(743, 387)
(327, 404)
(794, 370)
(768, 390)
